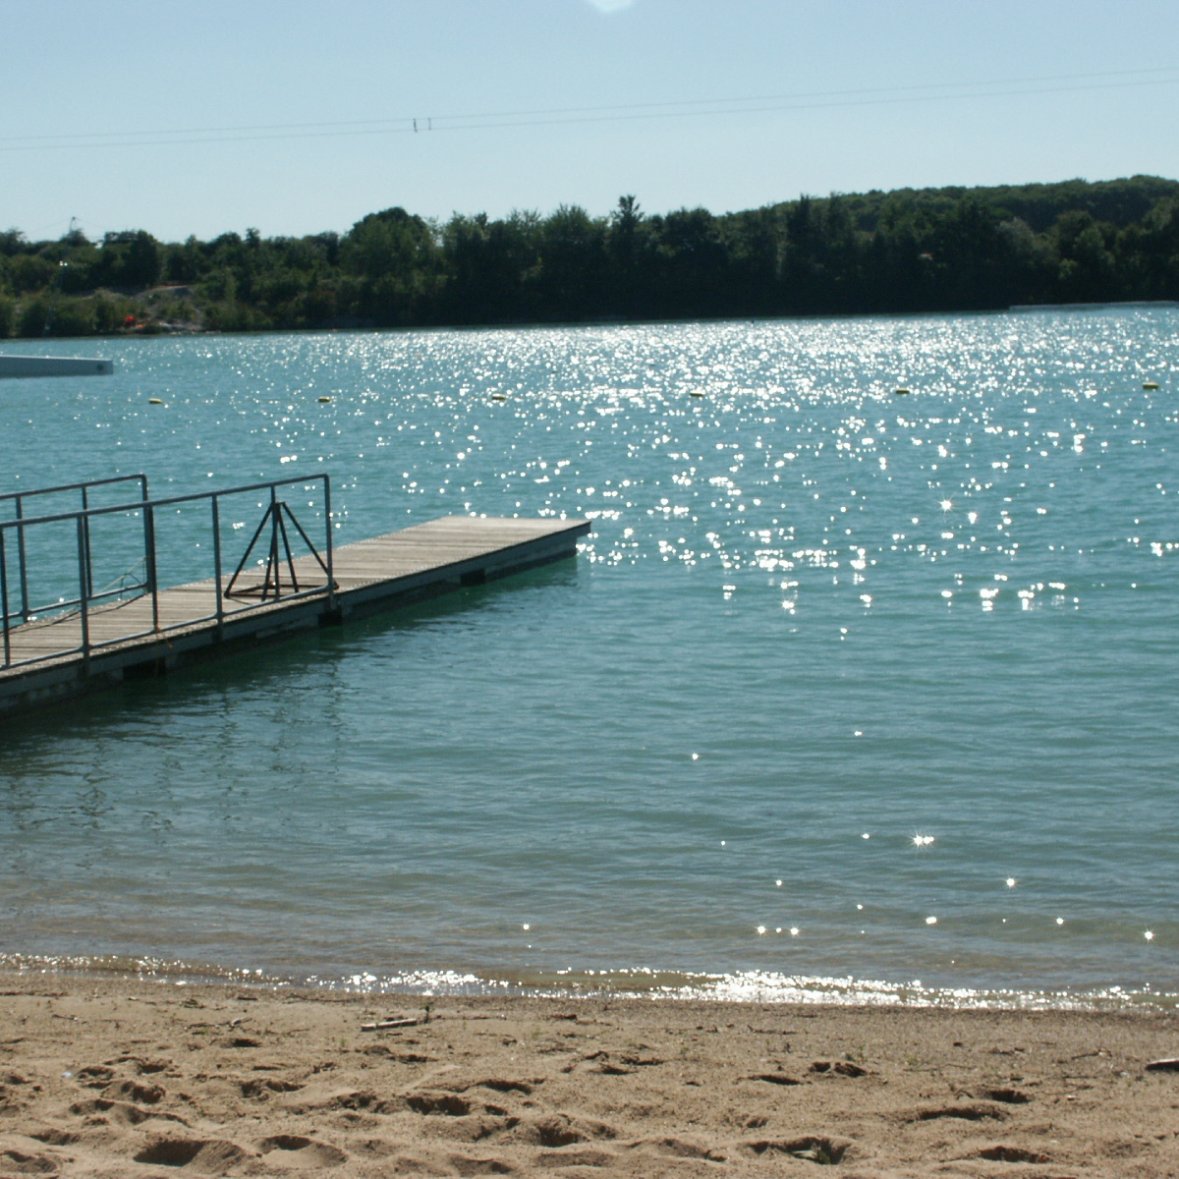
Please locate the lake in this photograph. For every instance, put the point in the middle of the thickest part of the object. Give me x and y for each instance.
(851, 693)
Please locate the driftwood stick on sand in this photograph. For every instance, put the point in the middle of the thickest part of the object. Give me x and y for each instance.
(382, 1025)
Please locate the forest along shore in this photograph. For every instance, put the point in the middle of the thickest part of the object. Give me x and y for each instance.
(905, 251)
(96, 1074)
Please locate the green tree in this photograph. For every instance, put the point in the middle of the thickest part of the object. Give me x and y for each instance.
(396, 257)
(690, 262)
(30, 272)
(570, 284)
(1087, 271)
(130, 260)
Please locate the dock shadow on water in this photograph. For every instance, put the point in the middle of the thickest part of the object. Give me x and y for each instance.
(296, 662)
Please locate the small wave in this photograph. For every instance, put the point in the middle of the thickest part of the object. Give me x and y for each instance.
(622, 983)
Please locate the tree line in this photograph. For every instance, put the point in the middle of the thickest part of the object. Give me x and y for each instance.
(908, 250)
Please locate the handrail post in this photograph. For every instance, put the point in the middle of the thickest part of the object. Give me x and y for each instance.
(272, 564)
(217, 561)
(4, 598)
(83, 579)
(86, 530)
(149, 555)
(327, 524)
(148, 547)
(23, 571)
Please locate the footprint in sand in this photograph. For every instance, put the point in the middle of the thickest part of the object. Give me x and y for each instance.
(353, 1101)
(499, 1084)
(135, 1092)
(775, 1079)
(11, 1096)
(211, 1156)
(54, 1136)
(261, 1088)
(560, 1130)
(95, 1076)
(101, 1111)
(104, 1110)
(144, 1067)
(677, 1148)
(828, 1151)
(16, 1162)
(842, 1068)
(449, 1104)
(977, 1112)
(1007, 1096)
(464, 1166)
(241, 1042)
(1012, 1154)
(583, 1158)
(303, 1152)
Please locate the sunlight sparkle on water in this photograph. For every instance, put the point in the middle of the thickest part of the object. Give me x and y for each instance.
(771, 566)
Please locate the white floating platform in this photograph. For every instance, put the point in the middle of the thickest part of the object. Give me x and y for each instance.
(55, 366)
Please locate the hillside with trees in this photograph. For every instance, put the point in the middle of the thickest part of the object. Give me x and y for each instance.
(909, 250)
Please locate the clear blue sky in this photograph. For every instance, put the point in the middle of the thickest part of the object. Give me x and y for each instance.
(297, 116)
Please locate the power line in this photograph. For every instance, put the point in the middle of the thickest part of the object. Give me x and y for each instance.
(616, 113)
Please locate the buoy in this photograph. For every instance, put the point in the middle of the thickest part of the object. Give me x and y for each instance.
(155, 401)
(498, 397)
(902, 392)
(1150, 384)
(324, 400)
(697, 393)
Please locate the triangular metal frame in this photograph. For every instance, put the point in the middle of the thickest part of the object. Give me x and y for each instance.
(278, 554)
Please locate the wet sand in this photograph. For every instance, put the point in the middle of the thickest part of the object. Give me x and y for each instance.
(116, 1077)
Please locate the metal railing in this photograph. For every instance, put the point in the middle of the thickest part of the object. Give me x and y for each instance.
(19, 501)
(229, 599)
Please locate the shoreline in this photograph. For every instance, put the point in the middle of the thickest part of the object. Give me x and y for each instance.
(607, 985)
(99, 1073)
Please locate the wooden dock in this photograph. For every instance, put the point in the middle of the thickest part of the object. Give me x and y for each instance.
(134, 639)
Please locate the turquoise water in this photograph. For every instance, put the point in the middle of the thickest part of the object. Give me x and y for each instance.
(847, 691)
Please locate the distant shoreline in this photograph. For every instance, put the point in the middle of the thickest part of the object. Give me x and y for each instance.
(191, 330)
(1126, 304)
(952, 249)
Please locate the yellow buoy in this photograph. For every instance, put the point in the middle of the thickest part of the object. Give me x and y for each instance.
(1150, 384)
(324, 400)
(155, 401)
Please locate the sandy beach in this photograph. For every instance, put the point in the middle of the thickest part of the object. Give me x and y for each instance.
(116, 1077)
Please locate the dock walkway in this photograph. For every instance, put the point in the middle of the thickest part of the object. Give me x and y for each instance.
(136, 637)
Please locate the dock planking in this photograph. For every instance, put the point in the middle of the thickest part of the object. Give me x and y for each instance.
(127, 639)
